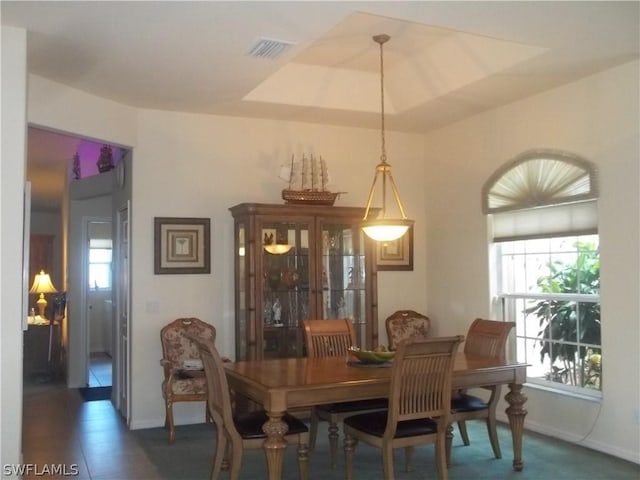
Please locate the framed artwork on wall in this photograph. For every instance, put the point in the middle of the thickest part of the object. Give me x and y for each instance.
(396, 254)
(182, 245)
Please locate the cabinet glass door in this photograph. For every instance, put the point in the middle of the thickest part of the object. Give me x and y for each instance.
(242, 319)
(343, 276)
(285, 295)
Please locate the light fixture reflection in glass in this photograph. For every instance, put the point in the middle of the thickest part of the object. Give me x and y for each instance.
(383, 228)
(278, 248)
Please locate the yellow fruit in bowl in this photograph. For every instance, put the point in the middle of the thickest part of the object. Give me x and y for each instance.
(371, 356)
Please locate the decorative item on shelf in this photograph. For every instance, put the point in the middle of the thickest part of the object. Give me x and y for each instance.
(105, 162)
(42, 284)
(289, 278)
(384, 228)
(277, 314)
(77, 174)
(312, 177)
(280, 247)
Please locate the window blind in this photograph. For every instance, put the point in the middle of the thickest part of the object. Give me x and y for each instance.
(579, 218)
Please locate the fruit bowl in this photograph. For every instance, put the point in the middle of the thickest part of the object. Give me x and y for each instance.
(371, 356)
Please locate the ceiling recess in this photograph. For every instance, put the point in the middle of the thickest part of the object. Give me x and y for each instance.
(269, 48)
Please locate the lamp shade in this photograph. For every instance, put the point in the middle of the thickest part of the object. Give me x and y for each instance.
(42, 284)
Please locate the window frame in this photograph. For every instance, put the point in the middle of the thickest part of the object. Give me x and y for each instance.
(526, 187)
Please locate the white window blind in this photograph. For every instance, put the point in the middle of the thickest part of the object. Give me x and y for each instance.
(555, 221)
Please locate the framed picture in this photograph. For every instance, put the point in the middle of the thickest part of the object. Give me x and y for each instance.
(182, 245)
(396, 254)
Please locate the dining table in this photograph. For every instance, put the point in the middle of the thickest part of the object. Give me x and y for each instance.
(284, 384)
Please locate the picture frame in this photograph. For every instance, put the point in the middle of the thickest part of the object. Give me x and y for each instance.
(182, 245)
(396, 254)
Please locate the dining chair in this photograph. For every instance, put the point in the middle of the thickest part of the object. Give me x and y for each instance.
(332, 338)
(240, 431)
(178, 348)
(419, 406)
(404, 325)
(487, 338)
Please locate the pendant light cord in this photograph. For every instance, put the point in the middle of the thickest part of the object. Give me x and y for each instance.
(381, 39)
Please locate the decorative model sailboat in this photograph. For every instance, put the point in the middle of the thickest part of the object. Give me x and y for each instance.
(311, 176)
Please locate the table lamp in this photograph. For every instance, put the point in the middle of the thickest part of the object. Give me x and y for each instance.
(42, 284)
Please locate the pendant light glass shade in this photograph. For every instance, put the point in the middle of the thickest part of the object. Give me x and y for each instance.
(383, 228)
(386, 229)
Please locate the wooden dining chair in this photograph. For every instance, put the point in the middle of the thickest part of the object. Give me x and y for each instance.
(403, 325)
(176, 349)
(419, 406)
(332, 338)
(487, 338)
(240, 431)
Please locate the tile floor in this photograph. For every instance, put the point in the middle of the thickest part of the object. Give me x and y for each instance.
(60, 429)
(100, 373)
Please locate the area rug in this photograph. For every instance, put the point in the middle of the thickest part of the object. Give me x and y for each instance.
(95, 393)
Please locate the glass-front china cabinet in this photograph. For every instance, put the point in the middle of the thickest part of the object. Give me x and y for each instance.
(298, 262)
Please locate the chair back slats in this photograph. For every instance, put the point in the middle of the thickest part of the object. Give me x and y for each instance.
(404, 325)
(328, 338)
(421, 379)
(488, 338)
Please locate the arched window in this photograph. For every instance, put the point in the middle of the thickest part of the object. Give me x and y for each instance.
(542, 193)
(542, 209)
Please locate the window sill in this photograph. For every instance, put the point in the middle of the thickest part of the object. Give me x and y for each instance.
(580, 393)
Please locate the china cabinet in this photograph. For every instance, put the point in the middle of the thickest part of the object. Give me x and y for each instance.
(297, 262)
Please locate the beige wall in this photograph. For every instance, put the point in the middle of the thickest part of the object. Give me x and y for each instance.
(596, 118)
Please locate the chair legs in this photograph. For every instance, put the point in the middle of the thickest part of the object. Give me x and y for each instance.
(313, 429)
(349, 449)
(333, 441)
(168, 421)
(441, 458)
(303, 461)
(462, 426)
(408, 455)
(387, 462)
(493, 436)
(220, 454)
(333, 435)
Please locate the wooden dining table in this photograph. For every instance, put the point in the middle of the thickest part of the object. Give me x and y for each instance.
(284, 384)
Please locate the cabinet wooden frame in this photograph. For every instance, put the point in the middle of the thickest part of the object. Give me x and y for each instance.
(256, 286)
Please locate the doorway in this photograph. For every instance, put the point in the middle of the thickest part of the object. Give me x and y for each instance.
(99, 301)
(68, 191)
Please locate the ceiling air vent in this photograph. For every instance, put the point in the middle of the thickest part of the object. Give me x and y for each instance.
(268, 48)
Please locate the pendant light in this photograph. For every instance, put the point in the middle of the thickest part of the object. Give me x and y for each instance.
(384, 229)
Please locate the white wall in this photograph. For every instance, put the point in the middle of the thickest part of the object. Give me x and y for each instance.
(13, 174)
(596, 118)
